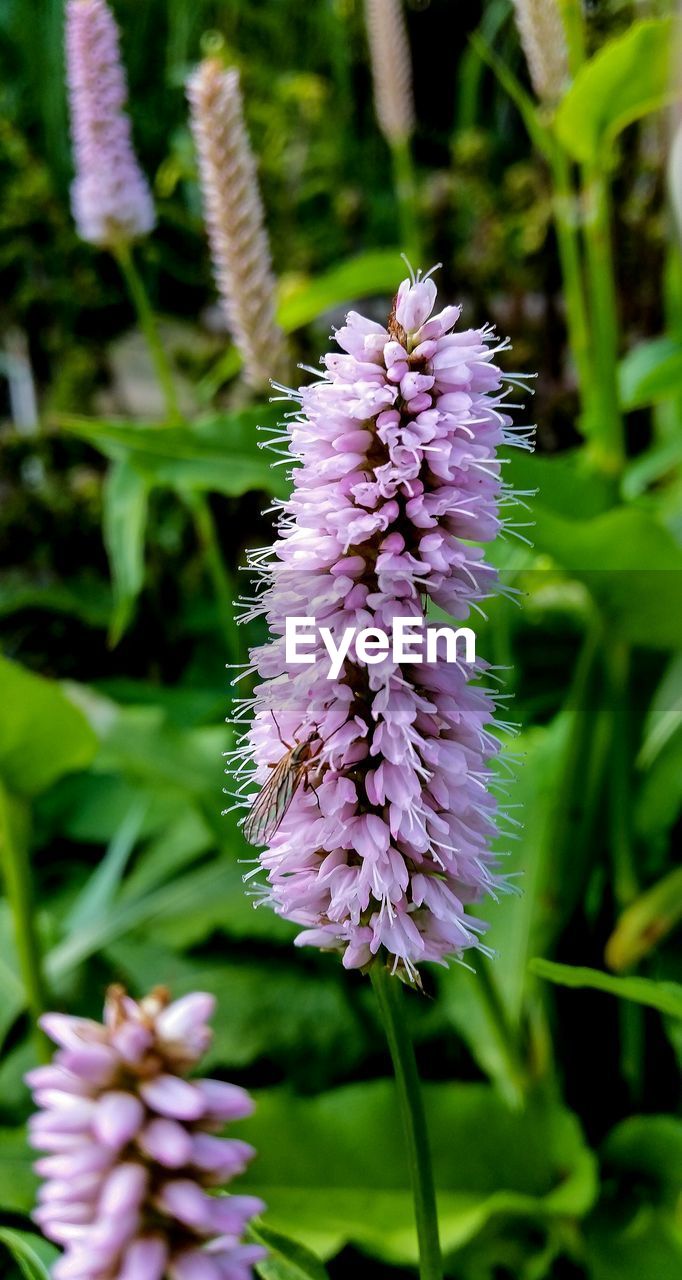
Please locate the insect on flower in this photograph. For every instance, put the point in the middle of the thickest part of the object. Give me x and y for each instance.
(273, 800)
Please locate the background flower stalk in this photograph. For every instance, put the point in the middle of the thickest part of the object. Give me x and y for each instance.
(110, 197)
(235, 219)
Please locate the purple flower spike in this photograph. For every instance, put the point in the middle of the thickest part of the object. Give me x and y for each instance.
(134, 1148)
(374, 769)
(110, 198)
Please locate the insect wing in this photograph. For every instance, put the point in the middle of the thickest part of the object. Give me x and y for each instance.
(272, 802)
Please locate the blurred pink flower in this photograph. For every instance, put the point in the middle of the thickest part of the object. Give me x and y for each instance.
(110, 196)
(132, 1146)
(380, 823)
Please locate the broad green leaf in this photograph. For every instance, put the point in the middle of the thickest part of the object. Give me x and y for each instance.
(635, 1232)
(85, 598)
(42, 733)
(664, 996)
(33, 1255)
(631, 565)
(124, 521)
(11, 986)
(565, 484)
(659, 798)
(651, 372)
(221, 453)
(286, 1260)
(645, 923)
(17, 1179)
(332, 1169)
(627, 78)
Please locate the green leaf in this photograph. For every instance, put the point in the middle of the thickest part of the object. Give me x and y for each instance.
(651, 372)
(33, 1255)
(627, 78)
(660, 796)
(664, 996)
(99, 892)
(565, 484)
(664, 716)
(635, 1233)
(286, 1260)
(220, 453)
(631, 564)
(42, 733)
(332, 1169)
(537, 131)
(17, 1179)
(124, 520)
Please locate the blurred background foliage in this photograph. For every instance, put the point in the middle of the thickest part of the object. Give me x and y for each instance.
(553, 1072)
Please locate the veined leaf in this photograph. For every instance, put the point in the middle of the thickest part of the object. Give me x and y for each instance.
(286, 1260)
(43, 734)
(33, 1255)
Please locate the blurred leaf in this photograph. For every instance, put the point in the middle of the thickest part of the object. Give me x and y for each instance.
(221, 453)
(11, 986)
(286, 1259)
(376, 271)
(266, 1010)
(42, 733)
(664, 716)
(638, 581)
(33, 1255)
(332, 1169)
(17, 1179)
(664, 996)
(98, 894)
(124, 521)
(630, 76)
(644, 924)
(532, 119)
(651, 372)
(566, 483)
(87, 599)
(659, 799)
(635, 1232)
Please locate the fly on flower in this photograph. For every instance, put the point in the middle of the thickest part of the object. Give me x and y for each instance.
(273, 800)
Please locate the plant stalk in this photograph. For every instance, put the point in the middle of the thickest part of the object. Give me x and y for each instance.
(607, 426)
(405, 185)
(566, 223)
(147, 319)
(14, 859)
(388, 991)
(221, 580)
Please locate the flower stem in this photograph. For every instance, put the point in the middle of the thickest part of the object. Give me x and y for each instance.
(223, 585)
(14, 860)
(147, 319)
(389, 992)
(566, 222)
(607, 425)
(405, 184)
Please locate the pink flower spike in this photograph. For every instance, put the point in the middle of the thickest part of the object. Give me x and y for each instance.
(112, 1198)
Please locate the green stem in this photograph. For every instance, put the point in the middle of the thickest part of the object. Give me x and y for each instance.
(607, 426)
(405, 184)
(223, 585)
(147, 319)
(566, 223)
(625, 882)
(500, 1025)
(14, 858)
(388, 991)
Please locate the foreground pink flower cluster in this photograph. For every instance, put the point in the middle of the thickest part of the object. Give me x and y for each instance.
(388, 817)
(133, 1146)
(110, 196)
